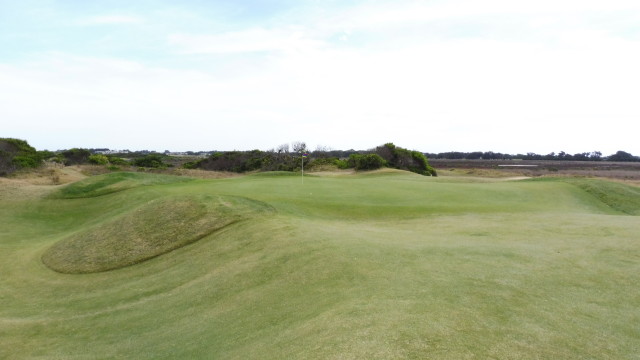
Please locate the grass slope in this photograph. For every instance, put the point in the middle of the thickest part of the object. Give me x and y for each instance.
(382, 265)
(113, 182)
(620, 197)
(160, 226)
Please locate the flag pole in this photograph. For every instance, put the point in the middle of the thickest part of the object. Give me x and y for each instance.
(302, 162)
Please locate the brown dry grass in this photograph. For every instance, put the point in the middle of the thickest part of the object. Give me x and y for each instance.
(51, 174)
(203, 174)
(37, 182)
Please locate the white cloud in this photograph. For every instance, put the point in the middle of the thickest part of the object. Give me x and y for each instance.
(566, 85)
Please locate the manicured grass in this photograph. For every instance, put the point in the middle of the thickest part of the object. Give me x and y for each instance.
(380, 265)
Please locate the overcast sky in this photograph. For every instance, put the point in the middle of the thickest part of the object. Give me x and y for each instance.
(509, 76)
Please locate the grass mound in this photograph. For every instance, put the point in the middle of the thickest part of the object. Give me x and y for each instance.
(620, 197)
(113, 182)
(151, 230)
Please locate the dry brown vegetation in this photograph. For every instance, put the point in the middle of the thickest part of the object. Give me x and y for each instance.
(628, 172)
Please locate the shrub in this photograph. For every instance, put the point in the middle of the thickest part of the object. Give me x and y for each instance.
(150, 161)
(325, 161)
(98, 159)
(191, 165)
(342, 164)
(366, 162)
(117, 160)
(404, 159)
(17, 154)
(26, 161)
(76, 156)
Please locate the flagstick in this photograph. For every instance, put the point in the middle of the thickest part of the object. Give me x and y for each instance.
(302, 162)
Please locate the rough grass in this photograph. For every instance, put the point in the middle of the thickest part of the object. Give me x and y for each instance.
(370, 266)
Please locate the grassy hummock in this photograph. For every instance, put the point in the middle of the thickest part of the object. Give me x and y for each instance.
(114, 182)
(617, 196)
(153, 229)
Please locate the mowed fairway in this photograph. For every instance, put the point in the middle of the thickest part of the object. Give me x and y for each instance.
(372, 266)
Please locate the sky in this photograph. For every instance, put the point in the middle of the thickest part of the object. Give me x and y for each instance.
(511, 76)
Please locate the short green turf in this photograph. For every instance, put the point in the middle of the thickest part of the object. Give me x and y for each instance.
(369, 266)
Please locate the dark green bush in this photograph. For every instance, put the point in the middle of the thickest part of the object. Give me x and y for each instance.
(191, 165)
(76, 156)
(150, 161)
(404, 159)
(366, 161)
(17, 154)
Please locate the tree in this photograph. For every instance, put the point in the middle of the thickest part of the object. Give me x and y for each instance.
(622, 156)
(595, 155)
(283, 149)
(299, 147)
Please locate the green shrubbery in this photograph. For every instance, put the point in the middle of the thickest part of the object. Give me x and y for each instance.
(114, 160)
(256, 160)
(366, 161)
(16, 154)
(404, 159)
(151, 161)
(98, 159)
(75, 156)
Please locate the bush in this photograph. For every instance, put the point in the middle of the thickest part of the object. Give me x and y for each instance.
(117, 160)
(98, 159)
(366, 162)
(76, 156)
(404, 159)
(342, 164)
(243, 161)
(17, 154)
(191, 165)
(150, 161)
(26, 161)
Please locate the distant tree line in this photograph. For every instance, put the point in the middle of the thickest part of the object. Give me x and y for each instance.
(489, 155)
